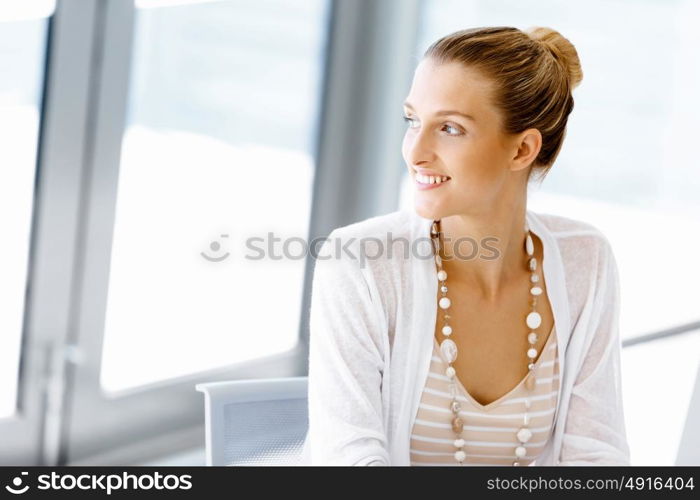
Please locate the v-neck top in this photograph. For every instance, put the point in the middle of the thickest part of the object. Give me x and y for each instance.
(489, 430)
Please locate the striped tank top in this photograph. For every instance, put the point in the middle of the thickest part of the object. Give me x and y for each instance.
(490, 430)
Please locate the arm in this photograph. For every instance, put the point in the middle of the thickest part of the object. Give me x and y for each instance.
(595, 426)
(346, 361)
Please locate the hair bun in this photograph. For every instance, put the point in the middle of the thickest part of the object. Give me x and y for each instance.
(562, 50)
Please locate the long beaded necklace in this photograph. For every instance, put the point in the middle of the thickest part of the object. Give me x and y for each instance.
(448, 348)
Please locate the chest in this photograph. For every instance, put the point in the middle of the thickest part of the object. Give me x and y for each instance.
(492, 338)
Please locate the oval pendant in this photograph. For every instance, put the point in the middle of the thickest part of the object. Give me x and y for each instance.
(533, 320)
(449, 350)
(529, 246)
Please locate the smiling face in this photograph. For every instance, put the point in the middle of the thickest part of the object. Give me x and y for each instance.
(482, 163)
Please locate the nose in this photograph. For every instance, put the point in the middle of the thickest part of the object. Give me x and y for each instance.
(418, 147)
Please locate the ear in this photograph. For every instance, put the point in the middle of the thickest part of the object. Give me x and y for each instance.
(527, 146)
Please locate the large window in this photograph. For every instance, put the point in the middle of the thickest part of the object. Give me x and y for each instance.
(628, 167)
(217, 149)
(23, 28)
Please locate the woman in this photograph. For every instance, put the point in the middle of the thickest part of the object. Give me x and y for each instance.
(493, 338)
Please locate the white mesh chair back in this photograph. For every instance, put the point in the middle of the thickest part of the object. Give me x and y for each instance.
(255, 421)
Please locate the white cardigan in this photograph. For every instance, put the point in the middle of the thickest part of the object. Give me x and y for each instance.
(372, 324)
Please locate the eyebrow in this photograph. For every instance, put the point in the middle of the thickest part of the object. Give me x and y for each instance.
(446, 112)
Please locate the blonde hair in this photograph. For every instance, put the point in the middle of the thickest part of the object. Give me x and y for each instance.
(534, 72)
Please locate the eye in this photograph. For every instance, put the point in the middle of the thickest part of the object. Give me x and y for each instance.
(454, 128)
(457, 131)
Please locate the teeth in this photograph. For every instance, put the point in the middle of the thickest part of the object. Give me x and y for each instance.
(430, 179)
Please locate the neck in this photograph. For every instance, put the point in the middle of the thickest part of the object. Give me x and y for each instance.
(485, 251)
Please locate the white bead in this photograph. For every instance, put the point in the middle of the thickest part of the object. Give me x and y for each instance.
(535, 290)
(438, 260)
(532, 337)
(533, 319)
(524, 435)
(442, 275)
(449, 350)
(443, 289)
(529, 246)
(460, 456)
(531, 352)
(534, 278)
(520, 451)
(459, 442)
(533, 264)
(450, 372)
(447, 330)
(444, 302)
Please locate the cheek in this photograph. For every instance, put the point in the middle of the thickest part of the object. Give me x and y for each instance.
(475, 171)
(475, 159)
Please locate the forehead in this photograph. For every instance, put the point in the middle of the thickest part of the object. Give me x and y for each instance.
(449, 86)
